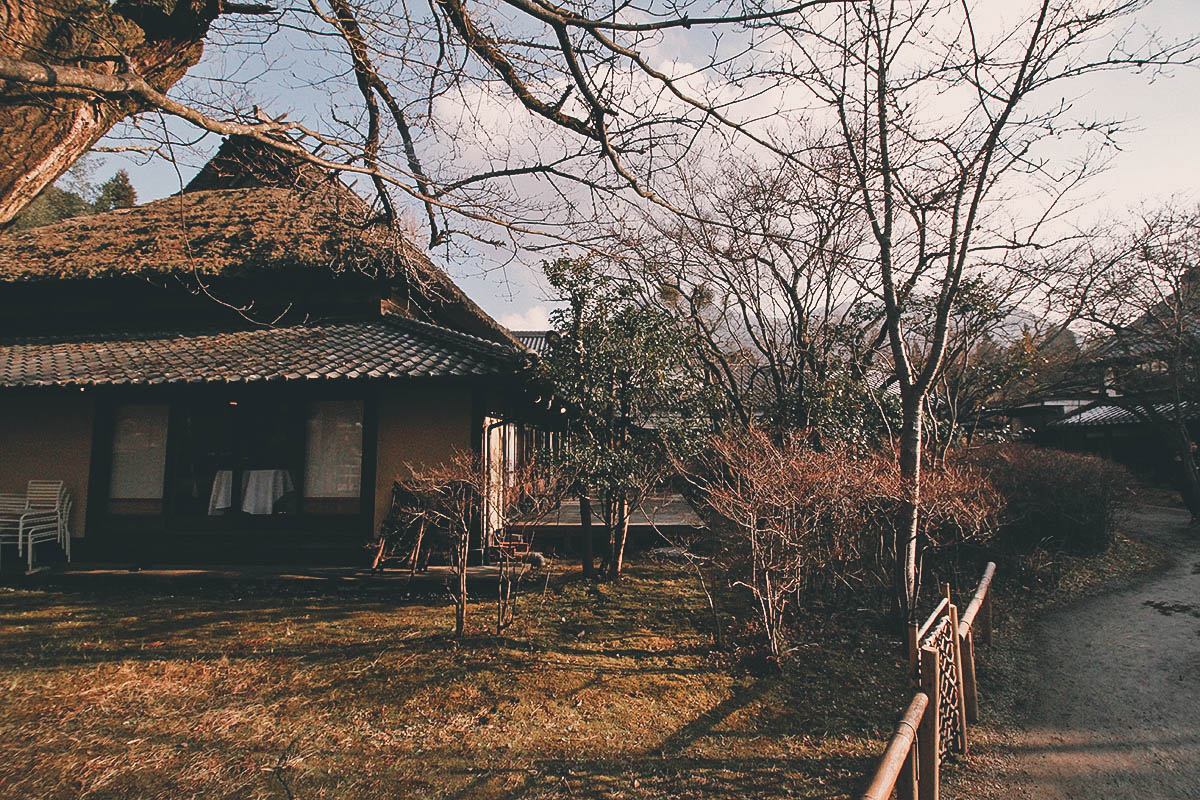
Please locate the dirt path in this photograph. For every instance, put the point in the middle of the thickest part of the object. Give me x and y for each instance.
(1114, 707)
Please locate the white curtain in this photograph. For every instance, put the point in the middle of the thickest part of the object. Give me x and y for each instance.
(139, 453)
(333, 449)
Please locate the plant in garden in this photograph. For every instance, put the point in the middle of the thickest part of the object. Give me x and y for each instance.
(529, 491)
(633, 390)
(806, 523)
(792, 517)
(1051, 498)
(446, 501)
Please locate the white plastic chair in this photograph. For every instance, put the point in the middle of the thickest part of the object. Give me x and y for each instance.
(47, 518)
(12, 508)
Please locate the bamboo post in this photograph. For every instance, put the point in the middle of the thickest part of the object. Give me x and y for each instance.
(928, 778)
(895, 770)
(961, 705)
(970, 684)
(981, 601)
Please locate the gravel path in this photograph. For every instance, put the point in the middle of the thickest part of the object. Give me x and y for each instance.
(1115, 693)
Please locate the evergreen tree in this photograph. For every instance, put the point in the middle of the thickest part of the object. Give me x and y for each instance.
(116, 192)
(70, 198)
(628, 375)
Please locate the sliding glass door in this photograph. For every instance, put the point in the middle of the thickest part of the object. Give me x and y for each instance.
(333, 457)
(212, 463)
(236, 462)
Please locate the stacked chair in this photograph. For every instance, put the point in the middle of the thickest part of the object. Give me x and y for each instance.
(42, 514)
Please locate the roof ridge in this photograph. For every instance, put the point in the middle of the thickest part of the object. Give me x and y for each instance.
(470, 339)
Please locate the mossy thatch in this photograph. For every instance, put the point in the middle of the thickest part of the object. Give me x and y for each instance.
(243, 232)
(229, 232)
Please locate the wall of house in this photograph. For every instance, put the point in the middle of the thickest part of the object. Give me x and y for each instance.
(418, 426)
(47, 436)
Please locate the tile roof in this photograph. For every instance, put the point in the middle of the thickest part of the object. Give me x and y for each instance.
(1115, 415)
(535, 341)
(387, 347)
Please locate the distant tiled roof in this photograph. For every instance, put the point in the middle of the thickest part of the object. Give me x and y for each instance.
(1115, 415)
(534, 340)
(1171, 321)
(388, 347)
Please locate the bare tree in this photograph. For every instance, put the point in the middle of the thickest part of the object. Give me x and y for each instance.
(1135, 291)
(447, 499)
(946, 112)
(598, 114)
(767, 273)
(989, 331)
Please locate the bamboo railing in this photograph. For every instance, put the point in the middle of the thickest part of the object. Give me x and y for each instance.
(899, 762)
(941, 657)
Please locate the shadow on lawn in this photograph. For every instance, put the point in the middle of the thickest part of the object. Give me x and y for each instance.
(671, 776)
(116, 621)
(741, 733)
(706, 757)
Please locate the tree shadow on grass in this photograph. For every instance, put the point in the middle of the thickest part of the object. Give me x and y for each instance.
(357, 652)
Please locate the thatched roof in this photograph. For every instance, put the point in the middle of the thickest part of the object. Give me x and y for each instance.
(230, 232)
(245, 163)
(246, 229)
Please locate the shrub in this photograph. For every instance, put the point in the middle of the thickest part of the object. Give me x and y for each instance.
(1051, 498)
(803, 525)
(806, 523)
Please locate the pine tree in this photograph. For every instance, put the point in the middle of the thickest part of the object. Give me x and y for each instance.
(116, 192)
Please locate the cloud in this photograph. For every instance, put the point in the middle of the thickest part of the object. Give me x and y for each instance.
(536, 318)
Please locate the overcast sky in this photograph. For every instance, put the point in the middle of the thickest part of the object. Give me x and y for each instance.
(1160, 158)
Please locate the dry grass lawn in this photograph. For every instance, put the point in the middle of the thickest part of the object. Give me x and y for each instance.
(282, 689)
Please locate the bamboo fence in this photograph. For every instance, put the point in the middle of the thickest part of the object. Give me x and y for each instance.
(941, 660)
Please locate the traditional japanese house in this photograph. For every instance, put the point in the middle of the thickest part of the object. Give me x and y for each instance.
(239, 372)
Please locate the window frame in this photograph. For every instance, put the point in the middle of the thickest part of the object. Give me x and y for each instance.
(176, 399)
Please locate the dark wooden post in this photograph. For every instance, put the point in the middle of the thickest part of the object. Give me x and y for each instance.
(914, 665)
(928, 778)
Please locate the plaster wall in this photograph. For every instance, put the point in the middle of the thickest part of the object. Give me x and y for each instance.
(47, 436)
(418, 427)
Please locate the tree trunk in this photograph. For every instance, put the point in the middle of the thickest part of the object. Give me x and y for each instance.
(42, 135)
(906, 580)
(585, 524)
(609, 515)
(460, 599)
(1187, 477)
(621, 533)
